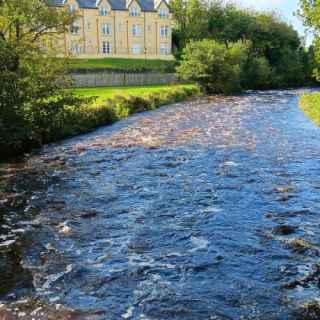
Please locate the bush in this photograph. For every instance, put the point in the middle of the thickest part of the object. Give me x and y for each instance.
(216, 67)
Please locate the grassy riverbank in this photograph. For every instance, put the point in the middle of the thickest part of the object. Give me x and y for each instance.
(124, 65)
(85, 110)
(103, 93)
(310, 104)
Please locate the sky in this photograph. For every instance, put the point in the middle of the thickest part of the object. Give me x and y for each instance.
(284, 8)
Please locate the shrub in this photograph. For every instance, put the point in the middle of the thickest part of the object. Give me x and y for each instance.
(214, 66)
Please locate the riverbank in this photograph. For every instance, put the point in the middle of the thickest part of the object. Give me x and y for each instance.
(310, 104)
(97, 107)
(122, 65)
(169, 216)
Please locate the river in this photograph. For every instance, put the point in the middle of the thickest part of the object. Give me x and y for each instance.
(207, 209)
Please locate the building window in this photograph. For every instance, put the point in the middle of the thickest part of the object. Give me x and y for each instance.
(136, 30)
(163, 13)
(106, 29)
(136, 49)
(164, 48)
(89, 26)
(72, 7)
(74, 29)
(149, 28)
(164, 31)
(106, 47)
(120, 27)
(134, 11)
(104, 11)
(75, 48)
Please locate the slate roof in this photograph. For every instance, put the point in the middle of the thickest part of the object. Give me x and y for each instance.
(146, 5)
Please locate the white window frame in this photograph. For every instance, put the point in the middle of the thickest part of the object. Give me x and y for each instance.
(136, 30)
(134, 11)
(136, 48)
(163, 13)
(72, 7)
(104, 11)
(106, 29)
(106, 47)
(164, 31)
(75, 29)
(164, 48)
(75, 48)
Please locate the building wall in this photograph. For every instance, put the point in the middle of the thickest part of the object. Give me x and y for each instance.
(90, 41)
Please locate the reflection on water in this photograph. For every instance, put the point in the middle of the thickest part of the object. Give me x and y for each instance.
(203, 210)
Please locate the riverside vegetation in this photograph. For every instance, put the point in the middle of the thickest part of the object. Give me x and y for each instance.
(35, 107)
(310, 102)
(227, 48)
(221, 48)
(72, 113)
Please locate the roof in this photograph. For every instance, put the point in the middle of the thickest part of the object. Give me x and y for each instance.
(146, 5)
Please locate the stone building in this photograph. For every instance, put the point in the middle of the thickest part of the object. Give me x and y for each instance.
(117, 28)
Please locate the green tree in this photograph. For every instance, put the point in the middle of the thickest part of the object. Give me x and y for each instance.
(191, 18)
(275, 47)
(310, 12)
(28, 76)
(214, 66)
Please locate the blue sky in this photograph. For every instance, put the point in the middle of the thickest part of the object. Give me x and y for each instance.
(284, 8)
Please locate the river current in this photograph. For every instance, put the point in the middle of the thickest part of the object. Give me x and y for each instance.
(207, 209)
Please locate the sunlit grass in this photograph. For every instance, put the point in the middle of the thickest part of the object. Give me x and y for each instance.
(122, 64)
(310, 104)
(104, 93)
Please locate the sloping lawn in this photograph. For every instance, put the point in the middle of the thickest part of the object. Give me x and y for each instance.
(310, 104)
(121, 64)
(104, 93)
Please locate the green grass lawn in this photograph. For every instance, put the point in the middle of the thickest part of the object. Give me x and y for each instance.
(104, 93)
(310, 104)
(122, 64)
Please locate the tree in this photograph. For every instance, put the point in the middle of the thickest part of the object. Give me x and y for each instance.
(191, 19)
(214, 66)
(28, 76)
(275, 47)
(310, 12)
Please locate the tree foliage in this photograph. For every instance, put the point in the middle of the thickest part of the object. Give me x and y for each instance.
(276, 57)
(310, 12)
(28, 77)
(213, 65)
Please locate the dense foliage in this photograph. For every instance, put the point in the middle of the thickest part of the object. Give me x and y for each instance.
(213, 65)
(310, 12)
(28, 79)
(276, 57)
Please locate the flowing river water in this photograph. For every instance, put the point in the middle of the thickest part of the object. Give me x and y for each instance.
(207, 209)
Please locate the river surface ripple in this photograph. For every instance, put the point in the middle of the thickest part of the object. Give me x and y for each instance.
(206, 209)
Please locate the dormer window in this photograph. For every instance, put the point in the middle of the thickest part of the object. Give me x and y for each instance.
(72, 7)
(104, 11)
(163, 13)
(134, 11)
